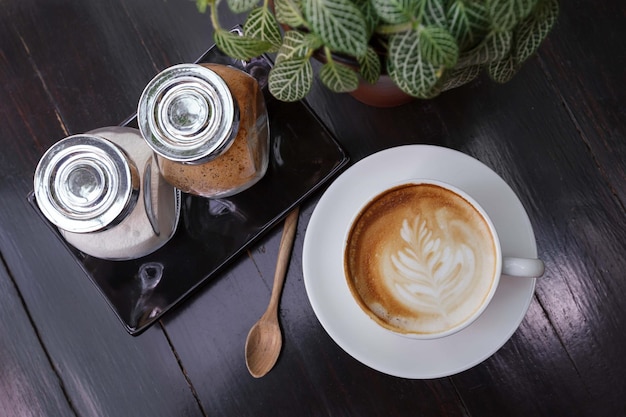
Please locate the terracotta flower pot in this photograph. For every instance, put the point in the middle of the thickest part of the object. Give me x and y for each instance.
(384, 93)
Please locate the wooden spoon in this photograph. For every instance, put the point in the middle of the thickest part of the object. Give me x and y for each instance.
(264, 339)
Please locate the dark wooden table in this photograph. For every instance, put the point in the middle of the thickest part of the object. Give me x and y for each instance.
(556, 134)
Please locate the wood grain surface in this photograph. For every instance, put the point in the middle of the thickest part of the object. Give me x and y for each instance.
(555, 133)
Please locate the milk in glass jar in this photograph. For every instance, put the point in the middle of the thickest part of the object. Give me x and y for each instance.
(103, 191)
(208, 125)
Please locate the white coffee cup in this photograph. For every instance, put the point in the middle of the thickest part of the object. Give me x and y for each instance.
(423, 259)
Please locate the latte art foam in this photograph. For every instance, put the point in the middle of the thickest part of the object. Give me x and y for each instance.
(427, 274)
(420, 259)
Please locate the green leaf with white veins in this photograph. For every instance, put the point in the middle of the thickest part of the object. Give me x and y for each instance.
(369, 66)
(312, 41)
(468, 22)
(434, 13)
(503, 70)
(261, 24)
(493, 48)
(288, 12)
(397, 11)
(240, 6)
(407, 67)
(240, 47)
(505, 14)
(458, 76)
(294, 46)
(369, 14)
(338, 78)
(339, 23)
(438, 46)
(531, 31)
(291, 79)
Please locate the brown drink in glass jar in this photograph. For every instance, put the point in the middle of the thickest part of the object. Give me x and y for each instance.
(208, 124)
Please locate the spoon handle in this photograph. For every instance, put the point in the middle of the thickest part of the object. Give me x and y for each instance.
(284, 252)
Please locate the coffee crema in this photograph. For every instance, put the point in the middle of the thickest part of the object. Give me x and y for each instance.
(420, 259)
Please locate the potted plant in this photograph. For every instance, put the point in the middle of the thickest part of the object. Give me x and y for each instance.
(424, 46)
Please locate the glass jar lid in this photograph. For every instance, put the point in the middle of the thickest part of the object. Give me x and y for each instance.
(85, 183)
(187, 114)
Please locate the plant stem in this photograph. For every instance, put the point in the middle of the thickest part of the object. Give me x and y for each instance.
(329, 54)
(214, 20)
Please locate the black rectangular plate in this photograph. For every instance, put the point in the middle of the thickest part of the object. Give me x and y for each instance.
(212, 232)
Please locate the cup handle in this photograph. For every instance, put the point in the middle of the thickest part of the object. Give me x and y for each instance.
(522, 267)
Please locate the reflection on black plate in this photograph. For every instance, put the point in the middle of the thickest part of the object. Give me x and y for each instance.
(212, 232)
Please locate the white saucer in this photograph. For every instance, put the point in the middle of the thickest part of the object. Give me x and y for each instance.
(330, 296)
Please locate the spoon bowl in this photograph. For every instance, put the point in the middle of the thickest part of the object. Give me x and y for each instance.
(263, 347)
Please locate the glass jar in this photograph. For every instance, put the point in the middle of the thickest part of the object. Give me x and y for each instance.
(208, 125)
(103, 192)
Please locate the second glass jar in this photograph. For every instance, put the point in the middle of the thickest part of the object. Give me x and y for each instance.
(208, 125)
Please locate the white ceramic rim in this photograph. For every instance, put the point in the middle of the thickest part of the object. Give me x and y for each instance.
(343, 319)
